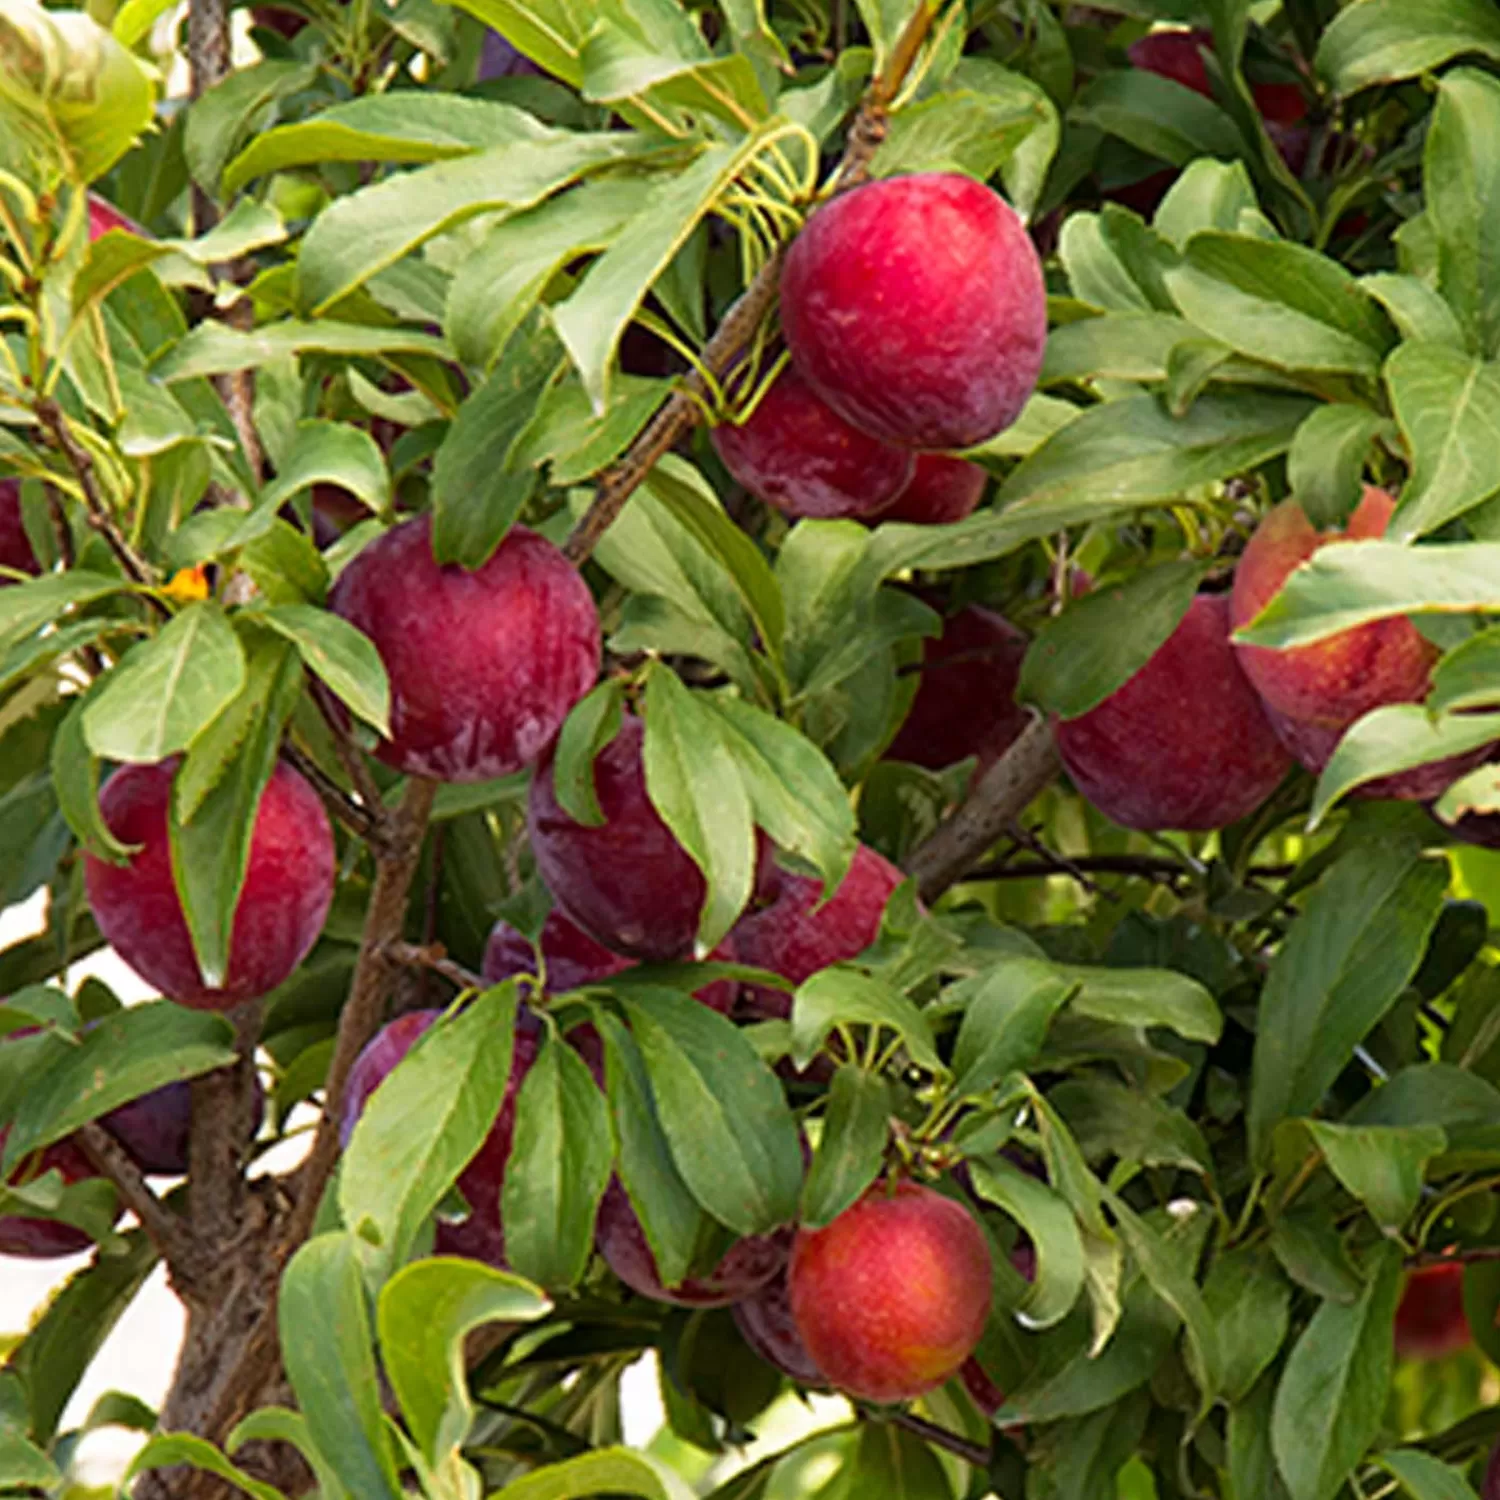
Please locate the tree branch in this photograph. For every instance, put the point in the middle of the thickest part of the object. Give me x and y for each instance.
(940, 1437)
(734, 334)
(219, 1133)
(51, 416)
(356, 818)
(169, 1233)
(993, 804)
(434, 958)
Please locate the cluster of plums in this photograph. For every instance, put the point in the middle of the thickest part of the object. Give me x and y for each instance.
(915, 314)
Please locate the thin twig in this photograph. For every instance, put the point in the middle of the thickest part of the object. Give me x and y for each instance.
(434, 957)
(357, 819)
(169, 1233)
(349, 754)
(81, 461)
(941, 1437)
(735, 333)
(1094, 864)
(995, 801)
(1469, 1257)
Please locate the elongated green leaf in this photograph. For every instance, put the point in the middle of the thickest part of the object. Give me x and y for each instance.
(1327, 460)
(326, 1343)
(396, 127)
(342, 657)
(1114, 1120)
(1333, 1390)
(1448, 406)
(620, 66)
(726, 1120)
(1417, 310)
(225, 115)
(330, 453)
(26, 607)
(1279, 302)
(211, 845)
(1006, 1015)
(669, 1214)
(1340, 587)
(1145, 997)
(1157, 115)
(852, 1148)
(1133, 345)
(1384, 40)
(1250, 1303)
(1382, 1165)
(1424, 1477)
(215, 348)
(593, 724)
(1398, 737)
(166, 689)
(1347, 957)
(550, 32)
(128, 1054)
(499, 284)
(843, 996)
(1078, 658)
(370, 229)
(1053, 1231)
(425, 1122)
(694, 783)
(75, 779)
(424, 1312)
(171, 1449)
(608, 1471)
(1469, 675)
(560, 1166)
(591, 320)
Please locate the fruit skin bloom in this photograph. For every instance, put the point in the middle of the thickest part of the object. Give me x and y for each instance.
(915, 307)
(892, 1297)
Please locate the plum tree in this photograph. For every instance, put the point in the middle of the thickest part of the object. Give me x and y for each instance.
(915, 308)
(799, 456)
(287, 890)
(533, 634)
(627, 883)
(1184, 743)
(891, 1297)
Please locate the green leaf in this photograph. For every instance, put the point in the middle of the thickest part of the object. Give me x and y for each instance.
(75, 780)
(498, 285)
(65, 1336)
(795, 794)
(1206, 195)
(130, 1053)
(425, 1122)
(1448, 405)
(1132, 451)
(1386, 40)
(479, 484)
(887, 1460)
(884, 21)
(1250, 1303)
(1333, 1390)
(326, 1346)
(1279, 302)
(1007, 1011)
(278, 1424)
(375, 226)
(1326, 465)
(215, 348)
(412, 126)
(550, 32)
(1078, 658)
(166, 689)
(726, 1119)
(1144, 997)
(1417, 310)
(1053, 1231)
(852, 1147)
(424, 1312)
(1345, 960)
(1341, 587)
(1398, 737)
(607, 1471)
(210, 840)
(1310, 1251)
(591, 725)
(591, 320)
(559, 1168)
(1381, 1165)
(1469, 675)
(1424, 1477)
(665, 1205)
(572, 441)
(1133, 345)
(230, 111)
(171, 1449)
(343, 658)
(845, 996)
(1157, 115)
(27, 607)
(24, 1466)
(694, 782)
(1115, 1120)
(330, 453)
